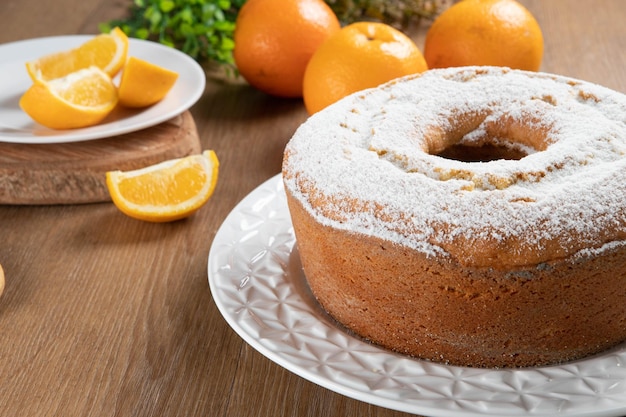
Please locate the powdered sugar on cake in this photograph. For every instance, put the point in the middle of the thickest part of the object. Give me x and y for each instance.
(372, 160)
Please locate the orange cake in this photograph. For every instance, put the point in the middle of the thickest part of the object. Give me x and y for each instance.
(472, 216)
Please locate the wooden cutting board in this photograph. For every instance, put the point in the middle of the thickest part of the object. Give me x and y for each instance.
(72, 173)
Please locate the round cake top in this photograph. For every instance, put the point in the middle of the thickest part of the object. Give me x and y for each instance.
(488, 166)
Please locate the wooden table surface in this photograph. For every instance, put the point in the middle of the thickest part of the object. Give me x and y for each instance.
(104, 315)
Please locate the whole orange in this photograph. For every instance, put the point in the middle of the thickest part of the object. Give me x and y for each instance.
(485, 32)
(274, 40)
(361, 55)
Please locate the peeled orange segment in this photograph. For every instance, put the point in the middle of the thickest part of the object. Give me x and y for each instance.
(167, 191)
(106, 51)
(80, 99)
(144, 83)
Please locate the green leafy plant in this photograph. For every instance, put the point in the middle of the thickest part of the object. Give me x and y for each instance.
(203, 29)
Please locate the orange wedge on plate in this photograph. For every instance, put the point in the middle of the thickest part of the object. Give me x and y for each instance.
(80, 99)
(166, 191)
(144, 83)
(106, 51)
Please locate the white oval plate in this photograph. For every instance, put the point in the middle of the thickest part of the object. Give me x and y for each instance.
(17, 127)
(258, 285)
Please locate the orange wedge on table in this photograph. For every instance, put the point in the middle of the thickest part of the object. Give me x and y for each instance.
(1, 280)
(144, 83)
(106, 51)
(167, 191)
(82, 98)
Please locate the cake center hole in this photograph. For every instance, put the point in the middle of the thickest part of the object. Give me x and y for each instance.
(483, 153)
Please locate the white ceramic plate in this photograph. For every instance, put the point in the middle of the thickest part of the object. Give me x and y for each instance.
(17, 127)
(258, 285)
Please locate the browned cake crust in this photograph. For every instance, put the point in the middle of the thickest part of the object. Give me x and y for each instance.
(435, 309)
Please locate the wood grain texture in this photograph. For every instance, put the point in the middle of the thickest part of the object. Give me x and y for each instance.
(103, 315)
(73, 173)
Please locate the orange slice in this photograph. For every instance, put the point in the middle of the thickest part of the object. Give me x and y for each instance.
(106, 51)
(1, 280)
(166, 191)
(144, 83)
(80, 99)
